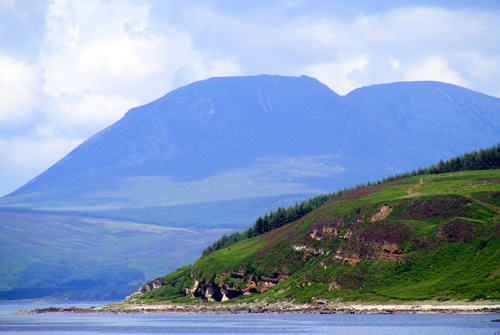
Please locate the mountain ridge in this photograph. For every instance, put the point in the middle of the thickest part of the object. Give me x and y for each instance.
(245, 128)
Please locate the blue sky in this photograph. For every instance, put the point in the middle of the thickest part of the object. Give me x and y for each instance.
(71, 68)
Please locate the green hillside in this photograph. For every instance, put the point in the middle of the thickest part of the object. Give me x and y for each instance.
(416, 238)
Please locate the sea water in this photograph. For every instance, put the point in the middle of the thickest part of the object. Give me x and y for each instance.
(38, 324)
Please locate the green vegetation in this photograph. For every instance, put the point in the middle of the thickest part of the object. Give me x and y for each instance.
(273, 220)
(429, 235)
(483, 159)
(438, 247)
(174, 285)
(226, 260)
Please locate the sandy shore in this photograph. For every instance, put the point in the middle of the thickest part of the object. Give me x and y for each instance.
(281, 308)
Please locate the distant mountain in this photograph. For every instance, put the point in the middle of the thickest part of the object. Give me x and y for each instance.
(244, 137)
(217, 153)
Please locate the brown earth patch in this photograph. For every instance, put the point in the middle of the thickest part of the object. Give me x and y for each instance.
(384, 211)
(389, 252)
(411, 191)
(326, 227)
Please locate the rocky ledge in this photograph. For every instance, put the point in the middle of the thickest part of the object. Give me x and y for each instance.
(323, 307)
(215, 292)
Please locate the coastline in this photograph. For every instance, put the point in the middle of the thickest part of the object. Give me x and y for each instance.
(283, 307)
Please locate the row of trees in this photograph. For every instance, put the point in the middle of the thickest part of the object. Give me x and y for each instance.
(273, 220)
(483, 159)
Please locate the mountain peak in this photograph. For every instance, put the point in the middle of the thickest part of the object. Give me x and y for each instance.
(238, 137)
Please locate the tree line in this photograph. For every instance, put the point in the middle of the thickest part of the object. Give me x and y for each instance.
(273, 220)
(484, 159)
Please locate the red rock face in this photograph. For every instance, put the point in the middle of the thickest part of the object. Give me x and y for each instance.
(389, 253)
(223, 292)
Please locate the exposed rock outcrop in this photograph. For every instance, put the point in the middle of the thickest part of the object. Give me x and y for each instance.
(383, 212)
(209, 291)
(222, 292)
(148, 287)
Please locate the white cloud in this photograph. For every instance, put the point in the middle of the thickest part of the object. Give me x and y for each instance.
(395, 63)
(434, 68)
(110, 50)
(201, 68)
(97, 58)
(23, 159)
(19, 86)
(481, 70)
(395, 42)
(29, 152)
(81, 115)
(99, 46)
(342, 75)
(7, 3)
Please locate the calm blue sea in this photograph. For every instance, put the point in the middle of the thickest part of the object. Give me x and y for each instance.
(11, 323)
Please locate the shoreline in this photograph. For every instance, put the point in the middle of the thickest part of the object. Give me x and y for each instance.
(263, 307)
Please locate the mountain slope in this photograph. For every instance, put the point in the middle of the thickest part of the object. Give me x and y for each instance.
(242, 137)
(419, 238)
(414, 112)
(192, 133)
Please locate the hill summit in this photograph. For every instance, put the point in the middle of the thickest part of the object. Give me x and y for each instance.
(245, 137)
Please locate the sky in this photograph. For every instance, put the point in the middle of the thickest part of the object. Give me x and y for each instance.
(69, 69)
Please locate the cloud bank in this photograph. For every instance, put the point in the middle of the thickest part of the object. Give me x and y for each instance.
(71, 68)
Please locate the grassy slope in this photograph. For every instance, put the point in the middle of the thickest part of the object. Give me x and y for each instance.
(444, 228)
